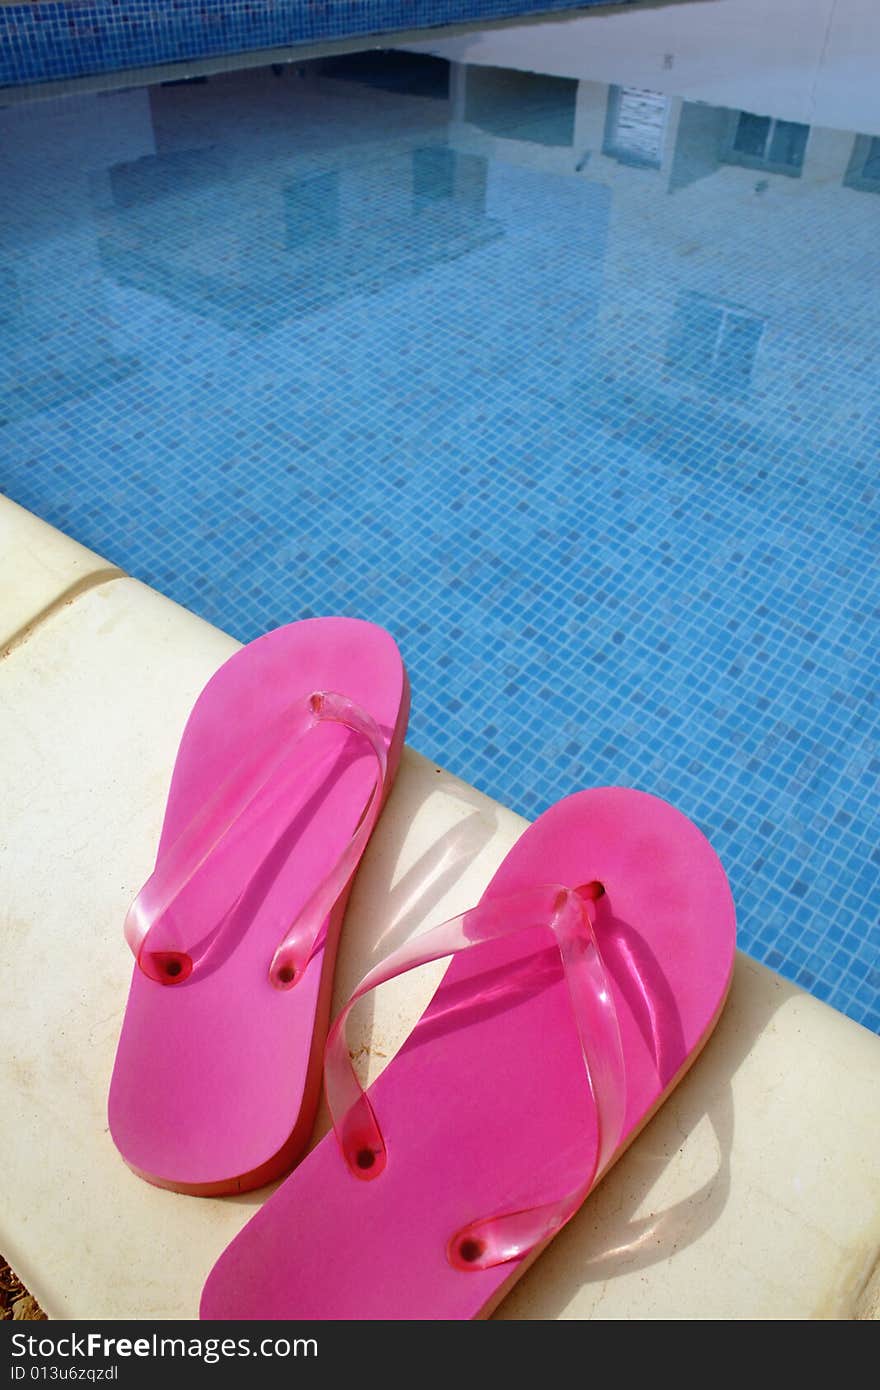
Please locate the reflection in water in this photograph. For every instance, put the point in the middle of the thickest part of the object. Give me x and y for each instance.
(863, 170)
(434, 174)
(59, 344)
(698, 143)
(255, 230)
(47, 361)
(311, 208)
(759, 142)
(573, 383)
(255, 262)
(180, 174)
(411, 74)
(713, 311)
(713, 342)
(798, 60)
(635, 127)
(521, 105)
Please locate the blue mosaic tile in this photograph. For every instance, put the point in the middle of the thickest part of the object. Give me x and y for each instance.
(43, 42)
(597, 441)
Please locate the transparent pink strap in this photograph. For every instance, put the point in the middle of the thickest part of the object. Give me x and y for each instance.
(153, 935)
(495, 1239)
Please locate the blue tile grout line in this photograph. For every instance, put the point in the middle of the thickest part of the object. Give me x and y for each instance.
(599, 448)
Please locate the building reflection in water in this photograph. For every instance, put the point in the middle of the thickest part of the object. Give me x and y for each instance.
(252, 248)
(521, 105)
(723, 222)
(635, 126)
(713, 342)
(863, 170)
(373, 169)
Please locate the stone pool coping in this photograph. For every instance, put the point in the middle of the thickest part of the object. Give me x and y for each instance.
(752, 1194)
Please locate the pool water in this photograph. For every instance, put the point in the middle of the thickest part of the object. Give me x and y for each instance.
(570, 384)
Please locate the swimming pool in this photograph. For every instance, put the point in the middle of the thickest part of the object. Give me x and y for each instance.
(570, 383)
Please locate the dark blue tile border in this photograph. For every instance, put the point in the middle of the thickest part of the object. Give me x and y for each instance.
(46, 42)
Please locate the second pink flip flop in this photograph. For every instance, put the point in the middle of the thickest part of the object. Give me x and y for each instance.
(280, 777)
(581, 989)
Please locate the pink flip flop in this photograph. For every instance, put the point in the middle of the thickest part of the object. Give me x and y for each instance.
(582, 988)
(281, 774)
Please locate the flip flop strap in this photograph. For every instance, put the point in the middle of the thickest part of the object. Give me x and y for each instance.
(154, 937)
(507, 1235)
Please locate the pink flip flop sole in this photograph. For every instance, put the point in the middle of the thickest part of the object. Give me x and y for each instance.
(217, 1079)
(486, 1107)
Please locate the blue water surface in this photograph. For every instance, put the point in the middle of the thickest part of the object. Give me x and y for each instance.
(572, 387)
